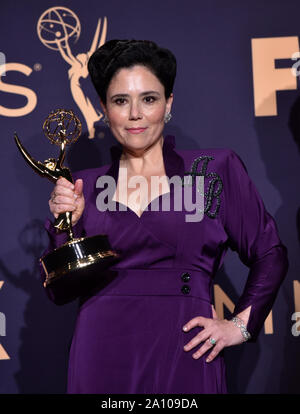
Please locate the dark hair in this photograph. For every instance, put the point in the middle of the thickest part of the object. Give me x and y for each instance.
(117, 54)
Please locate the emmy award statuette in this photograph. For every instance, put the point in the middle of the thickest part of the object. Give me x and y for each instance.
(72, 269)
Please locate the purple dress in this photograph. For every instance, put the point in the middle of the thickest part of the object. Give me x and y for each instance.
(128, 336)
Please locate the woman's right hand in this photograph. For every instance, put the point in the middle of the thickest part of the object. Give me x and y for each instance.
(67, 197)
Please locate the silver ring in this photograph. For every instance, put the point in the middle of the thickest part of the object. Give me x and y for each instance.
(212, 341)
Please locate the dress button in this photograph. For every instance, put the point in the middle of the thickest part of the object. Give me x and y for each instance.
(185, 277)
(185, 289)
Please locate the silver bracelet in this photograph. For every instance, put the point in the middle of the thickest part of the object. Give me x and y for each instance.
(240, 324)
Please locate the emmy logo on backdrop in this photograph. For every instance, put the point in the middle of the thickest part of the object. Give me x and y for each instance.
(55, 27)
(75, 268)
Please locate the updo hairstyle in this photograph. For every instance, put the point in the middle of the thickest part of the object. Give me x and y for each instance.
(114, 55)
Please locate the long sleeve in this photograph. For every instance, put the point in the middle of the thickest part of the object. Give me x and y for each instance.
(252, 232)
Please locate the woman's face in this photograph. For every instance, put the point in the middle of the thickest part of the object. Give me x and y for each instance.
(136, 107)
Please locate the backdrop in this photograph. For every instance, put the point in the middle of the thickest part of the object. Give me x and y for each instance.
(237, 87)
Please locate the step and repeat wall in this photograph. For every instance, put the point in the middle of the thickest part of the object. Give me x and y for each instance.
(237, 87)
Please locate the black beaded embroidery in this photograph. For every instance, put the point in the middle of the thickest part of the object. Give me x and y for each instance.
(215, 184)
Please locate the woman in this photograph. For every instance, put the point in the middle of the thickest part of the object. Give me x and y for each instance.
(153, 328)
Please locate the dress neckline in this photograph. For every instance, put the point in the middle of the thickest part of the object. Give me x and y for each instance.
(173, 162)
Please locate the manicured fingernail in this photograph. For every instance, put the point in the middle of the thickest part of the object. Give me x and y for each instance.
(195, 356)
(208, 359)
(184, 328)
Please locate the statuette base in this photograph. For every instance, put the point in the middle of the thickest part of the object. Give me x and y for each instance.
(75, 268)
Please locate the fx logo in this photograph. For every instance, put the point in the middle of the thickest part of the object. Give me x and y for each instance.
(267, 79)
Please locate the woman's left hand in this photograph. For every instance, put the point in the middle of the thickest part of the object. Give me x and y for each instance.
(224, 332)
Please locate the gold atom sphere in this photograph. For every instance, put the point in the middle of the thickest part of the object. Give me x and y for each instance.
(62, 125)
